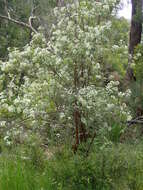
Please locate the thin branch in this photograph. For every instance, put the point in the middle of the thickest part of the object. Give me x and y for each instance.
(20, 23)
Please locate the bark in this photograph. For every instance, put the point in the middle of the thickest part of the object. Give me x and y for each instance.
(136, 25)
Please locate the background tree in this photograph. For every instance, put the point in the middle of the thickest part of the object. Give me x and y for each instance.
(11, 33)
(136, 25)
(135, 34)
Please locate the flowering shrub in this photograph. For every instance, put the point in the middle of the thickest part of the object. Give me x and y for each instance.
(58, 86)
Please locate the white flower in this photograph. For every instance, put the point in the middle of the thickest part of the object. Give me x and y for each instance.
(11, 108)
(117, 83)
(58, 135)
(138, 54)
(8, 143)
(111, 77)
(98, 66)
(129, 117)
(98, 77)
(106, 7)
(6, 138)
(115, 47)
(3, 123)
(128, 93)
(121, 94)
(62, 115)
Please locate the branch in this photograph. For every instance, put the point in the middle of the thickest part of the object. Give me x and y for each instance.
(32, 17)
(20, 23)
(138, 120)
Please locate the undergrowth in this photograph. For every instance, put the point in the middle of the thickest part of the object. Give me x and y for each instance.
(116, 167)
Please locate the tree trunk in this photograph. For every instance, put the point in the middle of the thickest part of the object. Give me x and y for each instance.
(136, 25)
(135, 36)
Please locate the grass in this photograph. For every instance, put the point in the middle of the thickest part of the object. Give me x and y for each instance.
(16, 174)
(117, 167)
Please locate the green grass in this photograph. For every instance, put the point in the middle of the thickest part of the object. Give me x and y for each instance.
(117, 167)
(16, 174)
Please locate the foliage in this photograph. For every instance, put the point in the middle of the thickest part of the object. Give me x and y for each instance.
(137, 86)
(137, 65)
(116, 55)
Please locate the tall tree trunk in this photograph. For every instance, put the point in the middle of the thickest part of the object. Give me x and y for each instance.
(135, 36)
